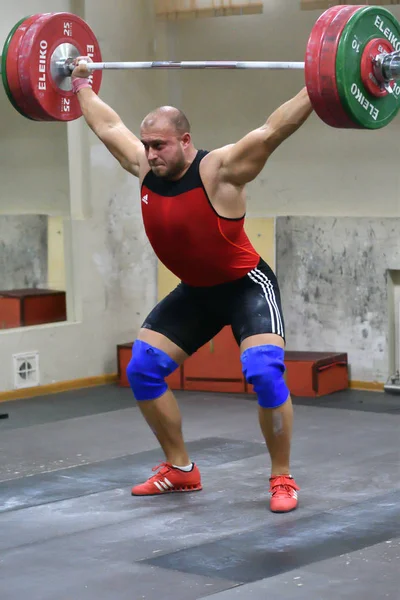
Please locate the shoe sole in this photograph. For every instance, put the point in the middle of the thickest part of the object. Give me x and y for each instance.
(283, 511)
(181, 491)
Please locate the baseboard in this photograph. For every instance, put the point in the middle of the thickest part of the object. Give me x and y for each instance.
(77, 384)
(55, 388)
(372, 386)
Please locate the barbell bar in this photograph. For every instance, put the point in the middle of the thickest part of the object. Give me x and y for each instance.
(388, 65)
(195, 64)
(351, 66)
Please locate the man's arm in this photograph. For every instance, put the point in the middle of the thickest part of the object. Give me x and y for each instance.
(109, 128)
(240, 163)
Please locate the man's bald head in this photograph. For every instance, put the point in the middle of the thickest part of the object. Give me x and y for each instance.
(167, 115)
(165, 134)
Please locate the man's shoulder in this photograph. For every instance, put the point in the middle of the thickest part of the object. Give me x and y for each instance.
(213, 159)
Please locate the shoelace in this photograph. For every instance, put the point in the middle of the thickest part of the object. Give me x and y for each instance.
(159, 468)
(281, 486)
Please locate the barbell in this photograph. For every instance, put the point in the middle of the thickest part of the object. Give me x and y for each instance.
(352, 64)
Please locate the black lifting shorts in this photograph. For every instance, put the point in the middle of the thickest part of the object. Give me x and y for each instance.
(191, 316)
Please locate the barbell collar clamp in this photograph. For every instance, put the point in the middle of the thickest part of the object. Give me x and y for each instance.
(389, 65)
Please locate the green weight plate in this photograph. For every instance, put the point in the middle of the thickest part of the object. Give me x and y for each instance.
(364, 108)
(4, 68)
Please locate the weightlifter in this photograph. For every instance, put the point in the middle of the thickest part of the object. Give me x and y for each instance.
(193, 206)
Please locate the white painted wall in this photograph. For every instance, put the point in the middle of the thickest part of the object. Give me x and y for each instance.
(394, 311)
(320, 170)
(58, 169)
(110, 268)
(33, 156)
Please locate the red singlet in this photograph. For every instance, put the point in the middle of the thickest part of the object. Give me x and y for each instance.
(187, 234)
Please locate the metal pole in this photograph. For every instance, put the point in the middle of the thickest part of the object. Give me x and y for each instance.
(208, 64)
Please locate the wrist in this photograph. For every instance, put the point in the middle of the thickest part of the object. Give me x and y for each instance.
(79, 83)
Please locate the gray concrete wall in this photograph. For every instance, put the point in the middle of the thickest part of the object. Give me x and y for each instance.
(333, 275)
(23, 251)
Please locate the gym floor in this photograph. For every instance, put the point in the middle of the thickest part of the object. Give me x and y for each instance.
(70, 528)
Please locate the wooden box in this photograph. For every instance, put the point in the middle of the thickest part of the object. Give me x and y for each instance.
(25, 307)
(314, 374)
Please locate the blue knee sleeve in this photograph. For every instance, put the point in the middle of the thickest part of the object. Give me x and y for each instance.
(263, 367)
(147, 371)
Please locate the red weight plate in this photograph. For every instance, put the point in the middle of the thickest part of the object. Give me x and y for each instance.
(333, 112)
(371, 51)
(27, 107)
(312, 57)
(48, 34)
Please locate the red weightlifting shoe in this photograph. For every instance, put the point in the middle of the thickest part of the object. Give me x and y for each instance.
(169, 479)
(283, 492)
